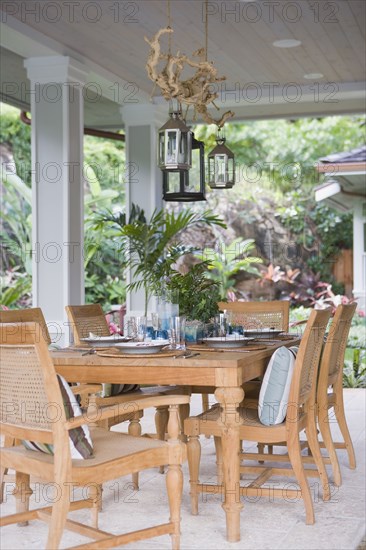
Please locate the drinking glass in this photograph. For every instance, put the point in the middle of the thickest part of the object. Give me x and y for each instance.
(140, 328)
(177, 330)
(221, 324)
(136, 328)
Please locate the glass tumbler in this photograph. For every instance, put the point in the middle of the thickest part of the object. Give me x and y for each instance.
(177, 332)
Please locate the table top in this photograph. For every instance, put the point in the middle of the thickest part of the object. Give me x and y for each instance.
(213, 368)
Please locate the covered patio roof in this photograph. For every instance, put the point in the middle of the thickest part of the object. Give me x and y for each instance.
(248, 41)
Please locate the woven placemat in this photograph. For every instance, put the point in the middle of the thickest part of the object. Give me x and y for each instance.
(113, 352)
(275, 338)
(243, 349)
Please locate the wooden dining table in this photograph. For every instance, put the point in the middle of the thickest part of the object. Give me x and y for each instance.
(226, 371)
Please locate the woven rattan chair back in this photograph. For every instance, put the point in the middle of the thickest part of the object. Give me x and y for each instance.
(330, 389)
(86, 319)
(256, 315)
(303, 386)
(334, 349)
(29, 391)
(31, 315)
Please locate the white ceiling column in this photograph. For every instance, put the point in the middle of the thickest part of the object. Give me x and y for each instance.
(143, 176)
(359, 254)
(57, 184)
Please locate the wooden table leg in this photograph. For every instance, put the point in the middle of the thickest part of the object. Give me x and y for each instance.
(229, 399)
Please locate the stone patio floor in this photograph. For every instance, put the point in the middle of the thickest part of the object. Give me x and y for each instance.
(273, 525)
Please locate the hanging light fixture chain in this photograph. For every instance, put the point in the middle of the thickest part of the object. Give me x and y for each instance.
(206, 30)
(169, 27)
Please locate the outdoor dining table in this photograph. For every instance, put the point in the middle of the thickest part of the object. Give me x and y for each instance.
(227, 371)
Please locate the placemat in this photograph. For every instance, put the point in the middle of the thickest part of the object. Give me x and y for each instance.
(279, 338)
(113, 352)
(244, 349)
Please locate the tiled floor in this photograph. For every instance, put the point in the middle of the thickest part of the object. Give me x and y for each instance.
(340, 523)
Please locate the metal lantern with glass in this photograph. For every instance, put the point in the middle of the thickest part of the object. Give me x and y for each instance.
(221, 165)
(175, 144)
(180, 156)
(187, 185)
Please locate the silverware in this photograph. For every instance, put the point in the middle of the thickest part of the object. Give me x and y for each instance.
(89, 352)
(185, 354)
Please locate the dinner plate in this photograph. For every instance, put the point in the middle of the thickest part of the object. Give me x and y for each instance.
(103, 341)
(142, 348)
(227, 341)
(262, 332)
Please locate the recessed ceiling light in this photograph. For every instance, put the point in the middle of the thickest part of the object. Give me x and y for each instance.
(287, 43)
(313, 76)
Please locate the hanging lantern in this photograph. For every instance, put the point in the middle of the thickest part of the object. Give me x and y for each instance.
(221, 165)
(187, 185)
(175, 144)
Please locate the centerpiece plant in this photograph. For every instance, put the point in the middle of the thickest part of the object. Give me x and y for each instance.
(153, 247)
(197, 294)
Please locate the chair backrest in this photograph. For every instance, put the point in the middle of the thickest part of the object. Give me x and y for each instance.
(86, 319)
(30, 315)
(303, 385)
(252, 315)
(31, 402)
(331, 365)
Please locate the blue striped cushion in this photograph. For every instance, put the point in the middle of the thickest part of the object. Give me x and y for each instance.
(275, 388)
(81, 445)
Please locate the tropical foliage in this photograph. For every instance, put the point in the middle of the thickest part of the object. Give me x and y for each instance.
(104, 188)
(151, 247)
(226, 261)
(197, 294)
(276, 176)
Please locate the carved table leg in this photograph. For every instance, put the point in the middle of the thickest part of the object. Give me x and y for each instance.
(229, 399)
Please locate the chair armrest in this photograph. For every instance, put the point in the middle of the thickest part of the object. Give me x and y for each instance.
(129, 407)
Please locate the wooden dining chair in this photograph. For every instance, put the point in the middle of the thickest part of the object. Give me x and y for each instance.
(256, 315)
(90, 318)
(329, 395)
(29, 315)
(330, 388)
(35, 315)
(85, 319)
(252, 315)
(300, 415)
(125, 403)
(29, 382)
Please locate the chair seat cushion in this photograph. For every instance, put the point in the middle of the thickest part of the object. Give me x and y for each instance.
(275, 388)
(81, 445)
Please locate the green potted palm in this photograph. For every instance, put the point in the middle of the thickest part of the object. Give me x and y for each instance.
(152, 247)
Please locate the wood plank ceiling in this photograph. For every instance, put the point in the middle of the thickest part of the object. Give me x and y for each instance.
(241, 35)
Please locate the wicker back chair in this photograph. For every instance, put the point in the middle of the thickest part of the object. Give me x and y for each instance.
(300, 416)
(31, 315)
(90, 318)
(330, 388)
(256, 315)
(29, 384)
(85, 319)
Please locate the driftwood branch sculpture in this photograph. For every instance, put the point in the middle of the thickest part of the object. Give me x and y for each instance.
(197, 91)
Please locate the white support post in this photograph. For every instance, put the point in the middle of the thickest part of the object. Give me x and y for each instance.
(143, 176)
(57, 185)
(359, 255)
